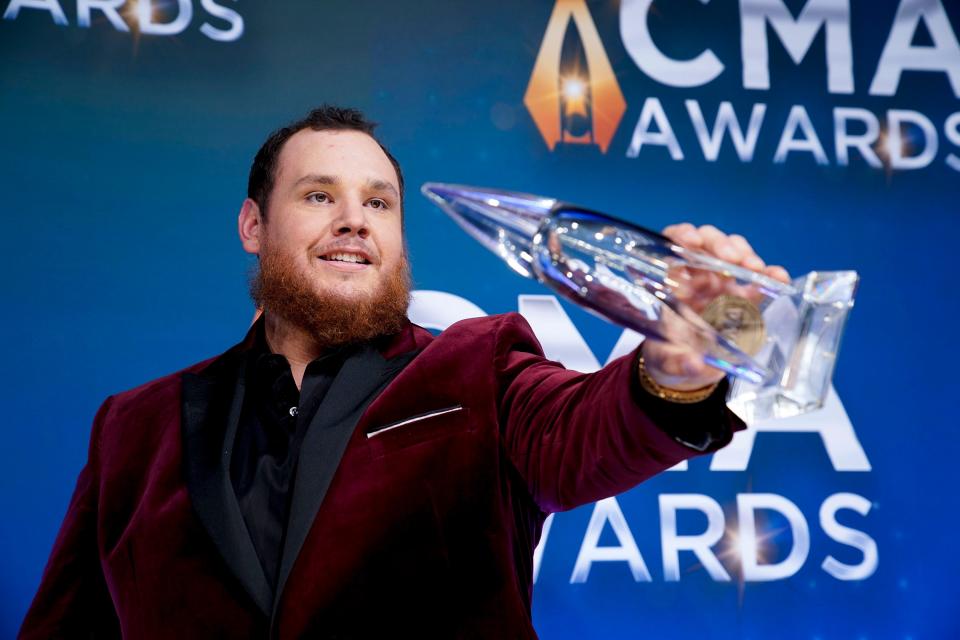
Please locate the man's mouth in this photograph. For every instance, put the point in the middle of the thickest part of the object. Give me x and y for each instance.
(345, 256)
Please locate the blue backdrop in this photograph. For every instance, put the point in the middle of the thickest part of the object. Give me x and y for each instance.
(126, 140)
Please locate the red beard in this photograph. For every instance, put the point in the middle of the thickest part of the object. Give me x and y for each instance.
(279, 287)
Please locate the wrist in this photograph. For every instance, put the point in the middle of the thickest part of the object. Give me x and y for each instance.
(682, 396)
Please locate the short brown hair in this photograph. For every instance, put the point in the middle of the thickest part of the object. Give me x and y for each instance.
(263, 172)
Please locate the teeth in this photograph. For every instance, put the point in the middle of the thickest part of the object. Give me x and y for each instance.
(345, 257)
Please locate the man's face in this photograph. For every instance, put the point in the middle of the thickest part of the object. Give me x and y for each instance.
(332, 260)
(335, 213)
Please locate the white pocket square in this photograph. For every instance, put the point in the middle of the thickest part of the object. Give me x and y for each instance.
(412, 419)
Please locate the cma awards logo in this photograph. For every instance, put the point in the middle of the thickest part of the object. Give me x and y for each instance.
(574, 97)
(142, 17)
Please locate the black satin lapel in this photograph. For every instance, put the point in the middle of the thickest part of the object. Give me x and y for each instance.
(210, 415)
(358, 383)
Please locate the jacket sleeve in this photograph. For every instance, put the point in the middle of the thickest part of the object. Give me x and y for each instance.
(576, 438)
(73, 600)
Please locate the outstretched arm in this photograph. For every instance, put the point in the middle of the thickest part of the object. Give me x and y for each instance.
(576, 438)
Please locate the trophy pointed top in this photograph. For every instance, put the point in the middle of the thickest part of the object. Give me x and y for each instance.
(512, 199)
(505, 222)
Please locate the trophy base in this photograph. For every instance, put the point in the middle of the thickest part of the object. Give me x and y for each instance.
(808, 327)
(753, 406)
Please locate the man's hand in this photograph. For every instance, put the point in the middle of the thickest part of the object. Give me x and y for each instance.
(680, 368)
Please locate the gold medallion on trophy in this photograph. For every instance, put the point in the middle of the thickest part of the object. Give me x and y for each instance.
(738, 320)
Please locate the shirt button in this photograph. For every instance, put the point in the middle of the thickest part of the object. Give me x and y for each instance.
(293, 411)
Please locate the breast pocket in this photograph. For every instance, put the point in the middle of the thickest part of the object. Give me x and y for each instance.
(418, 429)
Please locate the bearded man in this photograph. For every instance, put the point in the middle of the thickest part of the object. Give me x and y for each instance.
(341, 472)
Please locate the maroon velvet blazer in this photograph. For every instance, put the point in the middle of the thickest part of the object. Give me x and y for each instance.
(419, 497)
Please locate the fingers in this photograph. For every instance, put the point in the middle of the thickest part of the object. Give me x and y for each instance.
(725, 247)
(684, 234)
(777, 273)
(749, 257)
(710, 239)
(733, 248)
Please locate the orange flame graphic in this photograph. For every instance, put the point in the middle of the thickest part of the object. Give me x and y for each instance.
(543, 95)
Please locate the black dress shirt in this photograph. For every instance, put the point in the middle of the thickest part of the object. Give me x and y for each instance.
(273, 423)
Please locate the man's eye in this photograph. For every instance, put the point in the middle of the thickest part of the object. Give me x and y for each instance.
(318, 197)
(377, 203)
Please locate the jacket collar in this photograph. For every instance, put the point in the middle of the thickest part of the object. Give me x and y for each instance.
(212, 400)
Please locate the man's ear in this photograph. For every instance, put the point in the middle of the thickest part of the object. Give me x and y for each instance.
(250, 226)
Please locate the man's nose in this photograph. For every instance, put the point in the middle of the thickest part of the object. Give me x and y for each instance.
(351, 219)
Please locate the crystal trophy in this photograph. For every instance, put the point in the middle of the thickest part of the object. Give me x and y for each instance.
(777, 341)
